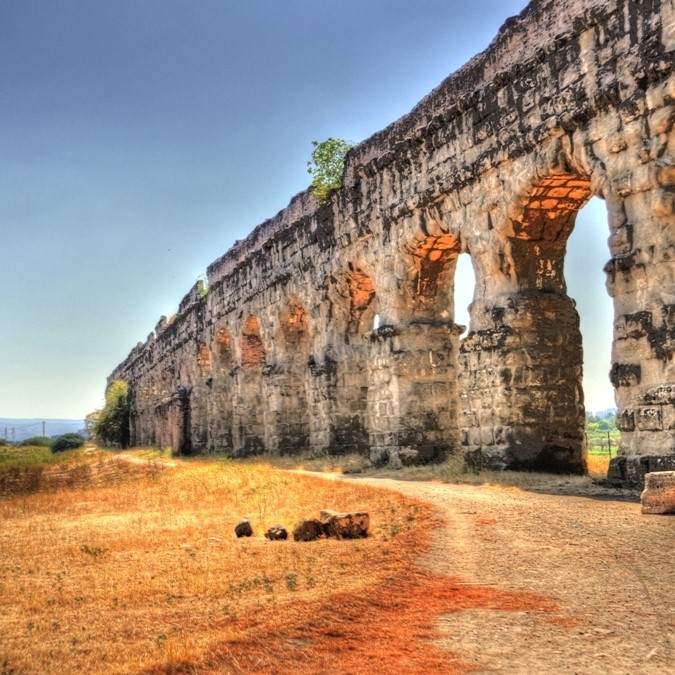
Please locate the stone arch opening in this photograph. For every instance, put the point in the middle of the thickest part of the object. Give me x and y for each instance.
(434, 261)
(288, 420)
(204, 360)
(464, 289)
(527, 359)
(294, 324)
(587, 254)
(550, 350)
(252, 349)
(249, 401)
(362, 305)
(541, 231)
(349, 372)
(221, 393)
(224, 349)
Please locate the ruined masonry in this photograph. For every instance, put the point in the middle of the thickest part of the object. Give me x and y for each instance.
(330, 328)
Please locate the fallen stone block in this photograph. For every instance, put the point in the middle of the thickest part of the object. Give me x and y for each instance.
(277, 533)
(345, 525)
(658, 496)
(243, 529)
(308, 530)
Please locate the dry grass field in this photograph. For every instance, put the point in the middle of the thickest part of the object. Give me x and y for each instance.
(140, 570)
(129, 564)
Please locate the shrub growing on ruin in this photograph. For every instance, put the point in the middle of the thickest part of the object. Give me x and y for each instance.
(67, 442)
(327, 166)
(111, 424)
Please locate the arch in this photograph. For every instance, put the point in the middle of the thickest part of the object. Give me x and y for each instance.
(221, 393)
(361, 296)
(252, 349)
(287, 423)
(541, 230)
(204, 360)
(433, 256)
(522, 381)
(224, 349)
(294, 325)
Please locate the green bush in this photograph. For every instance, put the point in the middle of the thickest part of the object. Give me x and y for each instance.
(67, 442)
(37, 441)
(3, 441)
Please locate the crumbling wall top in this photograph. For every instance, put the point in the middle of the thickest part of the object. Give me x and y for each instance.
(518, 40)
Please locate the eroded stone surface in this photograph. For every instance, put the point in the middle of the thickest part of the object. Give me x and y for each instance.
(243, 529)
(308, 530)
(345, 525)
(659, 494)
(277, 533)
(284, 353)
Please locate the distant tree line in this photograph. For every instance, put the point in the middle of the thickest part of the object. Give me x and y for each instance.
(602, 436)
(57, 444)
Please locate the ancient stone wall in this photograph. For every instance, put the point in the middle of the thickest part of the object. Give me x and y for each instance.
(331, 327)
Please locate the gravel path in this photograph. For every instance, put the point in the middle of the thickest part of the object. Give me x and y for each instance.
(610, 569)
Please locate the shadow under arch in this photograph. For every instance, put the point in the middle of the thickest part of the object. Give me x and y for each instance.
(287, 383)
(249, 401)
(221, 392)
(347, 372)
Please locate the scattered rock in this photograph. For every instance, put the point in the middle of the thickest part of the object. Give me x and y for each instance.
(659, 493)
(277, 533)
(345, 525)
(243, 529)
(308, 530)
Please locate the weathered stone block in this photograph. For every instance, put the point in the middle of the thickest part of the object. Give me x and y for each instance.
(633, 325)
(625, 420)
(277, 533)
(649, 419)
(625, 374)
(345, 525)
(243, 529)
(658, 496)
(308, 530)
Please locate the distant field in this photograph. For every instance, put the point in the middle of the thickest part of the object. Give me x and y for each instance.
(118, 566)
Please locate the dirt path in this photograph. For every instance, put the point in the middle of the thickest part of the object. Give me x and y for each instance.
(610, 569)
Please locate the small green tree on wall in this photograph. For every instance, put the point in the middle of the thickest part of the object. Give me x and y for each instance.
(327, 166)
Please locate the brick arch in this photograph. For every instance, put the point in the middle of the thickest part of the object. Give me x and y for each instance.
(253, 352)
(530, 411)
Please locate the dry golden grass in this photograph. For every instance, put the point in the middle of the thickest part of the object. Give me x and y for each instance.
(454, 471)
(144, 572)
(598, 465)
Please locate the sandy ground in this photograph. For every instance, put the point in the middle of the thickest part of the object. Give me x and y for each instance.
(610, 569)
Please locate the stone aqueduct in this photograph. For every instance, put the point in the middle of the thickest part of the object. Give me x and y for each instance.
(574, 98)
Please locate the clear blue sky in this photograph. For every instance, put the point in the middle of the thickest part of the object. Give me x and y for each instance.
(140, 138)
